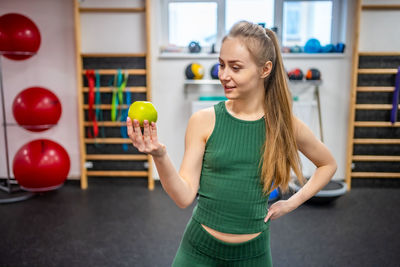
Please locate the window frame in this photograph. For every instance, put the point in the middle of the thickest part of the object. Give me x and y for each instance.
(338, 30)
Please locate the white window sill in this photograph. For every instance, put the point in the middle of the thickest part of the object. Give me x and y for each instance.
(314, 55)
(172, 55)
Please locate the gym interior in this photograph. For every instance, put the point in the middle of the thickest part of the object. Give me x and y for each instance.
(74, 191)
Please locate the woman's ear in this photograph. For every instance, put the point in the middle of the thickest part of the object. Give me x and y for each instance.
(266, 70)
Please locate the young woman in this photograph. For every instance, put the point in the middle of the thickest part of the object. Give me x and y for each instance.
(236, 153)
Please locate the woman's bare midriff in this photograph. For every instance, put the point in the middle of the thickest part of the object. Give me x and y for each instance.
(230, 238)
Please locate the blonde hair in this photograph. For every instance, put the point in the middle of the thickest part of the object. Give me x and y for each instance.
(280, 152)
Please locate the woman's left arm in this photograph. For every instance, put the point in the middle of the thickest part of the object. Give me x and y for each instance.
(317, 153)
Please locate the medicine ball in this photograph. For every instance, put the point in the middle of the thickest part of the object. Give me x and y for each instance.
(313, 74)
(214, 71)
(194, 71)
(18, 34)
(296, 49)
(41, 165)
(339, 48)
(194, 47)
(295, 74)
(36, 109)
(329, 48)
(312, 46)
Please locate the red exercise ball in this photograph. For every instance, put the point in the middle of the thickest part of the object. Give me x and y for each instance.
(18, 34)
(36, 109)
(41, 165)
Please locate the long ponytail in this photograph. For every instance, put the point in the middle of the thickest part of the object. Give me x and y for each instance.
(280, 148)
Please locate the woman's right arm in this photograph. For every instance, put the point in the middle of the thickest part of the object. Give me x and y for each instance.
(181, 187)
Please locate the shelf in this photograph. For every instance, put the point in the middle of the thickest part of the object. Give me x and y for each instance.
(305, 82)
(375, 158)
(200, 56)
(300, 103)
(188, 82)
(216, 81)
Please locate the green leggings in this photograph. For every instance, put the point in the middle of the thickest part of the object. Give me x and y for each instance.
(200, 248)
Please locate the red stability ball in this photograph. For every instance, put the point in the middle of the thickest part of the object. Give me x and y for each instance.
(41, 165)
(36, 109)
(18, 34)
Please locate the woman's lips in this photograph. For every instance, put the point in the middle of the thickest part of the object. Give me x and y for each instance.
(228, 88)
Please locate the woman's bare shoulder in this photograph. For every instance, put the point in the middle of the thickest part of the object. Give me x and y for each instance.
(203, 121)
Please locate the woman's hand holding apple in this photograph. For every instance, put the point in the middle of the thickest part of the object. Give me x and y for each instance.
(148, 141)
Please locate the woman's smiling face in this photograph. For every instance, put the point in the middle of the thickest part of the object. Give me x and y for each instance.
(238, 72)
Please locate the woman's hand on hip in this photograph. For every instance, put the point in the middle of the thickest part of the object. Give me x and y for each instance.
(146, 142)
(278, 209)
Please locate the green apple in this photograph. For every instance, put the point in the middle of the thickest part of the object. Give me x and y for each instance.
(142, 110)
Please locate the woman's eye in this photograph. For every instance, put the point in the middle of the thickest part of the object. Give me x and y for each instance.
(236, 68)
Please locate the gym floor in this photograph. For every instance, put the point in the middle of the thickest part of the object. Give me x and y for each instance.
(121, 223)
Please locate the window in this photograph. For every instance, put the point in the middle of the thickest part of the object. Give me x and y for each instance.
(192, 22)
(256, 11)
(207, 21)
(303, 20)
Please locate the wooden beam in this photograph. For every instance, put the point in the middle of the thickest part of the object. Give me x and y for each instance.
(149, 15)
(105, 106)
(375, 106)
(376, 89)
(106, 123)
(376, 124)
(118, 173)
(353, 92)
(115, 71)
(393, 53)
(116, 157)
(108, 141)
(380, 7)
(111, 10)
(132, 89)
(113, 55)
(377, 71)
(376, 174)
(366, 141)
(79, 67)
(375, 158)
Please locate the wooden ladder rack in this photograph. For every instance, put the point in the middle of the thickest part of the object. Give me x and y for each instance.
(104, 156)
(373, 141)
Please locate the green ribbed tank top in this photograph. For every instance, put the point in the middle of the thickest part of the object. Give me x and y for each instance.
(230, 197)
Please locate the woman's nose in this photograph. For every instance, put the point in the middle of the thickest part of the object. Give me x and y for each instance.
(223, 74)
